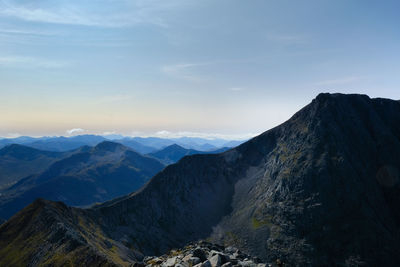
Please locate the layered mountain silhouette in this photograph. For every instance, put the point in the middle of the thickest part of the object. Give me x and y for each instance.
(322, 189)
(173, 153)
(96, 174)
(18, 161)
(129, 142)
(195, 143)
(143, 145)
(57, 144)
(18, 140)
(66, 143)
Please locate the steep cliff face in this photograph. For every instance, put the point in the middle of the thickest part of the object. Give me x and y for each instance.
(320, 189)
(327, 193)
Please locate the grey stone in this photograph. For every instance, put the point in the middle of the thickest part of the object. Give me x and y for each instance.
(191, 260)
(199, 253)
(213, 252)
(171, 262)
(230, 250)
(215, 260)
(247, 263)
(206, 264)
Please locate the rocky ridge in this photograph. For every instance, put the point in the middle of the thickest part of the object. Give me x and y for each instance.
(321, 189)
(205, 254)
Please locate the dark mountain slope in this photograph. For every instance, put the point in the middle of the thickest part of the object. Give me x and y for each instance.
(18, 161)
(173, 153)
(104, 172)
(317, 195)
(321, 189)
(311, 191)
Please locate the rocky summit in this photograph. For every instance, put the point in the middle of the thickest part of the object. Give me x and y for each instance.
(321, 189)
(205, 254)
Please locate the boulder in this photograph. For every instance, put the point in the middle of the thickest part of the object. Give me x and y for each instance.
(206, 264)
(216, 260)
(199, 253)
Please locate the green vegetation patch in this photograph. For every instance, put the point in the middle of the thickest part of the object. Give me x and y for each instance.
(258, 223)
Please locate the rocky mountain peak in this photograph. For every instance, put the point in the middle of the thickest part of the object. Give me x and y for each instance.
(321, 189)
(108, 146)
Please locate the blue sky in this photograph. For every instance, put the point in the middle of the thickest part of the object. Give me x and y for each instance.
(226, 68)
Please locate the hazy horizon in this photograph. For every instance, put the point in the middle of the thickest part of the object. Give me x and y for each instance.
(159, 134)
(208, 68)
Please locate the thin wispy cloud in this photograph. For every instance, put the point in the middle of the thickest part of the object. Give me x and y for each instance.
(185, 71)
(24, 32)
(29, 37)
(86, 13)
(31, 62)
(61, 16)
(236, 89)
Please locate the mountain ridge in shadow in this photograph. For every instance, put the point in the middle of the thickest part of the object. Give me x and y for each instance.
(96, 174)
(320, 189)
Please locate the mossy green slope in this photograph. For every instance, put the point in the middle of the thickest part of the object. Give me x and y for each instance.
(51, 234)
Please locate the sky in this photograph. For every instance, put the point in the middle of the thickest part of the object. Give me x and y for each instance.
(226, 68)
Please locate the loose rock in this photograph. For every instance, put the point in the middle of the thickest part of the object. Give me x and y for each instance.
(205, 254)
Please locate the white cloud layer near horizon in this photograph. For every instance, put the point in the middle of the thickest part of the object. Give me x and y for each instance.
(75, 131)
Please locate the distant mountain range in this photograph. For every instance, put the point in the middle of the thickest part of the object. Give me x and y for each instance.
(96, 174)
(78, 177)
(173, 153)
(56, 144)
(139, 144)
(152, 144)
(321, 189)
(66, 143)
(139, 147)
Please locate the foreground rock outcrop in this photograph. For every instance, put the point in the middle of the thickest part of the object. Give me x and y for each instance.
(322, 189)
(205, 254)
